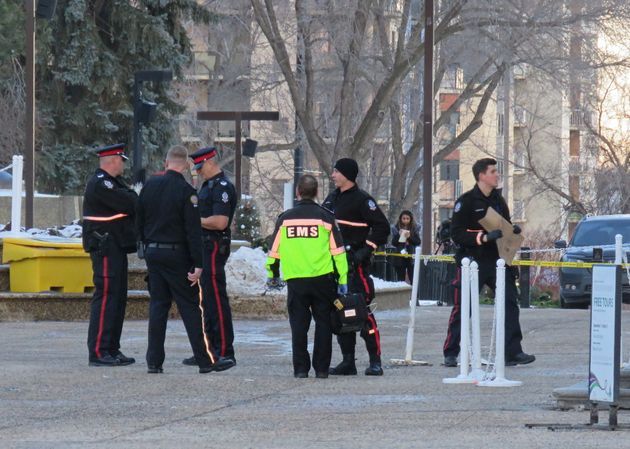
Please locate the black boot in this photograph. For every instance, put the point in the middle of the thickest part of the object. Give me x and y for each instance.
(375, 368)
(346, 367)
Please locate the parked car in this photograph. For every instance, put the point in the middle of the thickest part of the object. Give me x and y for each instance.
(591, 232)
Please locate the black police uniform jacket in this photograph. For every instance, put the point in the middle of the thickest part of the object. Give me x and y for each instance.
(108, 209)
(359, 218)
(217, 196)
(168, 212)
(467, 232)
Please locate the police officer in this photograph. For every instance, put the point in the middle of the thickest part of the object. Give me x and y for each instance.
(108, 235)
(169, 229)
(363, 228)
(474, 242)
(308, 244)
(217, 203)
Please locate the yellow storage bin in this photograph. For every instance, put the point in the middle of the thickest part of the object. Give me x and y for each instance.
(38, 265)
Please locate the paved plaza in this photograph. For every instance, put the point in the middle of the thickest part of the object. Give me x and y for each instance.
(50, 398)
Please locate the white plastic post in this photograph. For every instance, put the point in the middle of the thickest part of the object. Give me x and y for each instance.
(288, 195)
(464, 342)
(413, 304)
(499, 303)
(16, 197)
(618, 249)
(476, 371)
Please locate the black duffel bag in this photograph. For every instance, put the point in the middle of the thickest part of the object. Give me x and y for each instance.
(349, 314)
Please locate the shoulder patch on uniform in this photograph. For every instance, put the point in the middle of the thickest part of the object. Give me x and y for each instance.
(458, 206)
(372, 205)
(223, 183)
(194, 200)
(225, 197)
(107, 183)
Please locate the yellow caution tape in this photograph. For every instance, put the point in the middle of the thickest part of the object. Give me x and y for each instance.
(525, 263)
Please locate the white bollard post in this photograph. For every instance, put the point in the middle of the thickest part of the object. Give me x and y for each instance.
(499, 303)
(413, 304)
(476, 371)
(618, 249)
(464, 360)
(288, 195)
(16, 197)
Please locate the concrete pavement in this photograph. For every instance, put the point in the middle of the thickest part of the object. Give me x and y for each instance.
(50, 398)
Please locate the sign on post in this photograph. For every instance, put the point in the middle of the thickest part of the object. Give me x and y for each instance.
(603, 379)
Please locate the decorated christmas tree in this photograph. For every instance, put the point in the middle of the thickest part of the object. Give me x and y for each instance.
(247, 221)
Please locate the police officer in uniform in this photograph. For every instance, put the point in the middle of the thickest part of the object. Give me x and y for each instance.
(108, 235)
(169, 229)
(475, 243)
(363, 227)
(308, 244)
(217, 203)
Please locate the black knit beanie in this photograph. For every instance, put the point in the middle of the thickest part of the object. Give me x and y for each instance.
(348, 167)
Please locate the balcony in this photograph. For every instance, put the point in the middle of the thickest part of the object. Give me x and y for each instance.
(579, 119)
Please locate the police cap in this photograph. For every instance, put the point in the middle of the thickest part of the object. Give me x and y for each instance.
(112, 150)
(200, 156)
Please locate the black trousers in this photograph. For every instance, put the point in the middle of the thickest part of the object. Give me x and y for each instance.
(218, 319)
(168, 270)
(306, 298)
(404, 269)
(107, 308)
(513, 334)
(359, 281)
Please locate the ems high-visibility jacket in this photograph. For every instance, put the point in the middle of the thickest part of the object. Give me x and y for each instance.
(307, 243)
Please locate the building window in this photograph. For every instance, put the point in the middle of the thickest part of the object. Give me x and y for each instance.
(519, 210)
(500, 124)
(445, 213)
(449, 170)
(574, 187)
(574, 143)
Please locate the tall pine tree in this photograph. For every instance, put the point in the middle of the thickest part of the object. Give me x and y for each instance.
(87, 58)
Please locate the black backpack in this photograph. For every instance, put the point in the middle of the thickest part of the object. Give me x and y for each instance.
(349, 313)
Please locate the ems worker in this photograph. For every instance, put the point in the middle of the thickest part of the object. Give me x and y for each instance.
(474, 242)
(169, 229)
(308, 244)
(363, 228)
(108, 235)
(217, 203)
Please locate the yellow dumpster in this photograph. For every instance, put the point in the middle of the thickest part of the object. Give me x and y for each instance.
(42, 265)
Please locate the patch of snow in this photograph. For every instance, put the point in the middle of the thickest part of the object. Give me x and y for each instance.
(246, 273)
(380, 284)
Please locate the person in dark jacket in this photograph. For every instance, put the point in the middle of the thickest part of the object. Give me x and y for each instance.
(477, 244)
(108, 235)
(169, 227)
(405, 238)
(363, 228)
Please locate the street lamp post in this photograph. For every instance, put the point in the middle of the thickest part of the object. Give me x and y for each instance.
(143, 113)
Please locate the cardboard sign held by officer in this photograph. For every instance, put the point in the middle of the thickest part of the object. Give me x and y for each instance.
(510, 243)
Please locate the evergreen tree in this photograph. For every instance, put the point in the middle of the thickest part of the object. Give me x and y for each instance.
(247, 222)
(87, 57)
(11, 35)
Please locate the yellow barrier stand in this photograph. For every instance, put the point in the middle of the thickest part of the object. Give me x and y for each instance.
(37, 266)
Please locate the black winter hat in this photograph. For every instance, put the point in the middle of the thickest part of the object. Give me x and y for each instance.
(348, 167)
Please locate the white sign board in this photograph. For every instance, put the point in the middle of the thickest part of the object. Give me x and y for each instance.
(603, 379)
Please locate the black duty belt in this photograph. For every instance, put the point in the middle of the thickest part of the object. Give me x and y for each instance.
(165, 245)
(214, 237)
